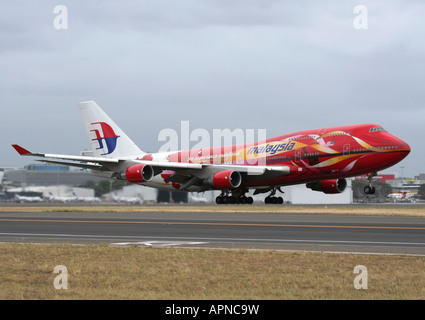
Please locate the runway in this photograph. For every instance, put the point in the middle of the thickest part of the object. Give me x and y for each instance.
(289, 231)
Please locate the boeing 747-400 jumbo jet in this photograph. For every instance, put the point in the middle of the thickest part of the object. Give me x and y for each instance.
(320, 158)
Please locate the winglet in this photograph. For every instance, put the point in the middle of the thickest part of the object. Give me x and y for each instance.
(21, 150)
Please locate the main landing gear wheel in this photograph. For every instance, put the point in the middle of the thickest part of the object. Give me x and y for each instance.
(224, 198)
(271, 199)
(369, 190)
(246, 200)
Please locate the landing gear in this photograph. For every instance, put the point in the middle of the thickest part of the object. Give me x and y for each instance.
(246, 200)
(271, 199)
(370, 189)
(240, 198)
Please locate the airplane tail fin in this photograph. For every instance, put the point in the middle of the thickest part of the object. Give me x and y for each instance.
(106, 138)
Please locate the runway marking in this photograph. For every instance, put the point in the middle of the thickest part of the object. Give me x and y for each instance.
(198, 239)
(213, 224)
(158, 243)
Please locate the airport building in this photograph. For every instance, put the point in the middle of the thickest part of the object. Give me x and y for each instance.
(407, 186)
(37, 182)
(47, 175)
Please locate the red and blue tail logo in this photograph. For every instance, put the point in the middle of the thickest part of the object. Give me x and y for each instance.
(109, 137)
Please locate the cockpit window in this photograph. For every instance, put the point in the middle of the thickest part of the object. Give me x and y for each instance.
(375, 129)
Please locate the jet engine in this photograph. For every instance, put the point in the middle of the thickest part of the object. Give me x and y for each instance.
(227, 179)
(138, 173)
(328, 186)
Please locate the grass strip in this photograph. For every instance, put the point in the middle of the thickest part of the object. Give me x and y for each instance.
(418, 211)
(110, 272)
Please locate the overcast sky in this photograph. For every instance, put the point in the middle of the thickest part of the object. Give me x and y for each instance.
(282, 66)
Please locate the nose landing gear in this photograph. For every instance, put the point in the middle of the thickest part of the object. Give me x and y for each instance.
(370, 189)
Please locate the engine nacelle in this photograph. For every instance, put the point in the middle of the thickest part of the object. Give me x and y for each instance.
(138, 173)
(328, 186)
(227, 179)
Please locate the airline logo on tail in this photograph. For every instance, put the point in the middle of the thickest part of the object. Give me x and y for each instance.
(108, 136)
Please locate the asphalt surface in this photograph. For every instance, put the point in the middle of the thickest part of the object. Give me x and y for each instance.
(312, 232)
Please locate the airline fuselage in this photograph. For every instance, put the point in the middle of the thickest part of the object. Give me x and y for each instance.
(311, 155)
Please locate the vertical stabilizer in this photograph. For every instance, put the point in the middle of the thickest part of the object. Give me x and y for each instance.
(106, 138)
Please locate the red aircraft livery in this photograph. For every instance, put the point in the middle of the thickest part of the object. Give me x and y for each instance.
(320, 158)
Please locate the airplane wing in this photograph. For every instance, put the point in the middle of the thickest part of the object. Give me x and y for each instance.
(99, 162)
(25, 152)
(189, 173)
(164, 165)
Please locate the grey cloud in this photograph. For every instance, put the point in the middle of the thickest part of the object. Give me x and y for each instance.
(280, 65)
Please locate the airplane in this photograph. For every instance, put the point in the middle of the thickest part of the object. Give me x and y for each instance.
(398, 195)
(71, 199)
(401, 196)
(19, 198)
(321, 158)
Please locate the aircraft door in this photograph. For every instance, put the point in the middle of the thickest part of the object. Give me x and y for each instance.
(346, 151)
(298, 155)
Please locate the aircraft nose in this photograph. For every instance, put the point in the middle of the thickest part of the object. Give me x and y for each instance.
(403, 148)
